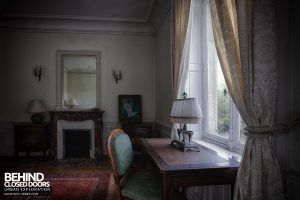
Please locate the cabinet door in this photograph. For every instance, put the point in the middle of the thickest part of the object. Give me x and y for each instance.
(29, 138)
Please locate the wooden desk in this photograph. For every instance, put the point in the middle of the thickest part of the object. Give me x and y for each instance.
(183, 169)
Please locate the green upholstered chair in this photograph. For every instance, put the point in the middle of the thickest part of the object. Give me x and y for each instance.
(140, 184)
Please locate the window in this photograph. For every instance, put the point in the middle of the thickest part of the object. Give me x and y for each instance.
(221, 121)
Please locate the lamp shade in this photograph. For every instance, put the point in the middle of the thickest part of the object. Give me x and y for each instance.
(36, 106)
(73, 102)
(186, 111)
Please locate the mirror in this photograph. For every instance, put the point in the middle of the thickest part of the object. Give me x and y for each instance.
(79, 80)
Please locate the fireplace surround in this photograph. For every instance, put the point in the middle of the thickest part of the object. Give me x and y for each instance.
(64, 126)
(77, 119)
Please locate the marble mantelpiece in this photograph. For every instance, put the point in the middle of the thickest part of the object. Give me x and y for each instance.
(78, 116)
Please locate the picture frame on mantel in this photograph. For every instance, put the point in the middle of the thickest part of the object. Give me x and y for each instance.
(130, 109)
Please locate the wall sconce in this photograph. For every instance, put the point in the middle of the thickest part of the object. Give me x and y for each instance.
(38, 72)
(117, 75)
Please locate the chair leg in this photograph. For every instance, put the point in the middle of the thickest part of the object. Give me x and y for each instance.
(118, 193)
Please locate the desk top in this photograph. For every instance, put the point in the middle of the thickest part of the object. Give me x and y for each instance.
(168, 158)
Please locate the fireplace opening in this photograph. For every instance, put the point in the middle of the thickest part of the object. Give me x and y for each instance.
(77, 143)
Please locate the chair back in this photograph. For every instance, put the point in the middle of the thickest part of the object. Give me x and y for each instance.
(120, 152)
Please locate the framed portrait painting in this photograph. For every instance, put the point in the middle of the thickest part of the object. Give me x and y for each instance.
(130, 109)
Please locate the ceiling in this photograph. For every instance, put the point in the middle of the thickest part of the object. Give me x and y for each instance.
(127, 11)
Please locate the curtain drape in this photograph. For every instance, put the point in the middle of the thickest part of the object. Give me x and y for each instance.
(180, 47)
(245, 39)
(179, 27)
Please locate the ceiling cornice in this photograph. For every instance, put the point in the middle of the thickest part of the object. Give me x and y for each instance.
(73, 17)
(149, 24)
(67, 24)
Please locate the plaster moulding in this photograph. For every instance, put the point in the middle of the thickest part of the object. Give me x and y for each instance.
(75, 25)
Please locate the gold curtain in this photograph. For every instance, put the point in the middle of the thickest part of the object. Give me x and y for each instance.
(179, 24)
(245, 38)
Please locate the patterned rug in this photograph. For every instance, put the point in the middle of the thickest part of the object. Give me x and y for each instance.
(80, 186)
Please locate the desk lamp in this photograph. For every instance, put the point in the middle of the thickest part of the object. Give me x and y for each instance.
(185, 111)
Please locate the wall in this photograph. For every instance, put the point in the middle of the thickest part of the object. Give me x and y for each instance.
(21, 51)
(281, 141)
(293, 172)
(163, 77)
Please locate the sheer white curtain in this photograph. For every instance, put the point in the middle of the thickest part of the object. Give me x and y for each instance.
(184, 66)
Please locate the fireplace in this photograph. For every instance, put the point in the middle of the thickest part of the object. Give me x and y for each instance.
(77, 144)
(70, 127)
(66, 120)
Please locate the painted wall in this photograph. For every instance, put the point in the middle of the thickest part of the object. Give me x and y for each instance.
(21, 51)
(163, 74)
(293, 171)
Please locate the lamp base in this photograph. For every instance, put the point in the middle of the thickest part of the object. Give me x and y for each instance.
(184, 146)
(37, 118)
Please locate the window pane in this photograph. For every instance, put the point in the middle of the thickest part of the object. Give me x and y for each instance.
(218, 96)
(223, 104)
(242, 135)
(218, 100)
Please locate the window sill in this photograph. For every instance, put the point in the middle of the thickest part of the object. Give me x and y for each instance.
(221, 151)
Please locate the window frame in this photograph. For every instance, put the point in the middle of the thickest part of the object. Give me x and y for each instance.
(233, 142)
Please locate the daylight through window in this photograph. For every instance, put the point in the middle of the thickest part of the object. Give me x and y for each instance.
(221, 122)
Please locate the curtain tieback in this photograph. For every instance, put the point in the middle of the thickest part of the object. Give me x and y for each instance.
(263, 131)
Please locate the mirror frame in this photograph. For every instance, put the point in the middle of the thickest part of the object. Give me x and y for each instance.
(59, 73)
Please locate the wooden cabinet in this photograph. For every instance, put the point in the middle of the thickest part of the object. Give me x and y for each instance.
(31, 137)
(137, 131)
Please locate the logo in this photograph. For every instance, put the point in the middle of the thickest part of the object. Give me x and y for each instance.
(25, 184)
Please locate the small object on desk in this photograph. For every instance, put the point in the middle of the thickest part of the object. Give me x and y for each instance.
(185, 146)
(185, 110)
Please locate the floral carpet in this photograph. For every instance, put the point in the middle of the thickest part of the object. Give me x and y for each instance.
(68, 181)
(77, 187)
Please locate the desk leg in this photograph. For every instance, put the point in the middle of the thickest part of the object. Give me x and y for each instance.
(167, 188)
